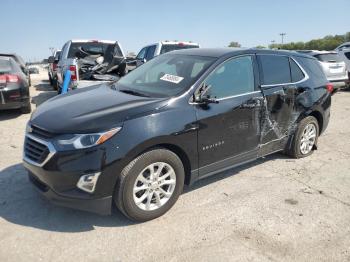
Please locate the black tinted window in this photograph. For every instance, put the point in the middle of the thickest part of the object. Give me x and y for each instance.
(233, 77)
(275, 69)
(347, 55)
(295, 71)
(150, 52)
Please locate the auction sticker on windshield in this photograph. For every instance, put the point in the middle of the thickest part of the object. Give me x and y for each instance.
(172, 78)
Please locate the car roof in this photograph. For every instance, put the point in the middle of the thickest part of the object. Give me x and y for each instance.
(93, 40)
(166, 42)
(229, 51)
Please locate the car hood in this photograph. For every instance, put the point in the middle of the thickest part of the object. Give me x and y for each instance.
(91, 109)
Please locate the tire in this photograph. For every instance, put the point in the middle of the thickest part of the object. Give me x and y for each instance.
(27, 109)
(54, 83)
(50, 80)
(295, 150)
(124, 196)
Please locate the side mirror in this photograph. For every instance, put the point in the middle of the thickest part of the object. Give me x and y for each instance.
(201, 96)
(144, 60)
(51, 59)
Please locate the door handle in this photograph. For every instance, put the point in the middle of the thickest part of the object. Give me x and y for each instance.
(252, 103)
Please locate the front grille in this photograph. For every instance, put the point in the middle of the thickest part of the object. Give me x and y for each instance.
(39, 132)
(35, 151)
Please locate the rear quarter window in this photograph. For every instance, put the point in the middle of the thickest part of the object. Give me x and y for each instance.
(295, 71)
(313, 69)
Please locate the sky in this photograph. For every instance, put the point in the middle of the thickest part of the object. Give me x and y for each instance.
(31, 27)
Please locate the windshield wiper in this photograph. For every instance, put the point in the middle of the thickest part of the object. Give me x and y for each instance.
(132, 92)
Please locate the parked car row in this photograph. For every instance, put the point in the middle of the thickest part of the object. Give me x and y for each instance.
(335, 64)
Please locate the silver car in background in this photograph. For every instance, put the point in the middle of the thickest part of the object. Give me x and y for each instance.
(345, 55)
(333, 66)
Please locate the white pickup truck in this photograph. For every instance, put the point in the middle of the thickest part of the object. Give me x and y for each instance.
(90, 62)
(150, 51)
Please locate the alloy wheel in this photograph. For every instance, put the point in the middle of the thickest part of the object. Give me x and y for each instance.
(154, 186)
(308, 139)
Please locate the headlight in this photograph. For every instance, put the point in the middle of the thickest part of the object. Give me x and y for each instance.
(88, 140)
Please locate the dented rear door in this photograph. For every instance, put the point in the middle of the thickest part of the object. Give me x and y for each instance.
(279, 101)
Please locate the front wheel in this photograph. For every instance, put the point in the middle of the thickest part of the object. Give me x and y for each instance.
(305, 138)
(150, 185)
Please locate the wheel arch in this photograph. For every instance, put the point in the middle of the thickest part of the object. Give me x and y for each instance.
(317, 114)
(179, 152)
(165, 144)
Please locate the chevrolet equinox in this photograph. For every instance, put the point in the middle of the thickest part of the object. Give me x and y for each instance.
(181, 117)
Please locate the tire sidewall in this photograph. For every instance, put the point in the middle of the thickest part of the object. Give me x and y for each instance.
(160, 155)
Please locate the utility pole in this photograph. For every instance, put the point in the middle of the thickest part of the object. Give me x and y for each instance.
(282, 36)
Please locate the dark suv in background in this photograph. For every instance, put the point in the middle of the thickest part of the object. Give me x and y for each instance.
(178, 118)
(14, 86)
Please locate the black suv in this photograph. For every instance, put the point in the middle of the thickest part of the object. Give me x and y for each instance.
(180, 117)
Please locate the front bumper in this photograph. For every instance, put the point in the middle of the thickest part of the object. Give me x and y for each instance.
(57, 176)
(100, 206)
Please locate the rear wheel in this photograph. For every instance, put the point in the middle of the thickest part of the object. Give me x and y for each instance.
(150, 185)
(305, 138)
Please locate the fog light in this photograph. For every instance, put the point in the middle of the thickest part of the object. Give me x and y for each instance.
(88, 182)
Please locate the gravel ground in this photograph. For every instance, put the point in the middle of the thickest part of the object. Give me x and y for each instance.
(275, 209)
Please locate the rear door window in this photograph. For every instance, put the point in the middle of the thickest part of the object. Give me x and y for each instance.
(275, 69)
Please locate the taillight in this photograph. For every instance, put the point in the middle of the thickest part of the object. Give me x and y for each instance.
(73, 72)
(330, 88)
(181, 44)
(9, 79)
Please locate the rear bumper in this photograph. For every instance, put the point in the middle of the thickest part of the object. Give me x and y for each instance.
(100, 206)
(13, 105)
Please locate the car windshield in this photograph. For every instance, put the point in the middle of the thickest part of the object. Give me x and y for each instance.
(329, 58)
(165, 76)
(167, 48)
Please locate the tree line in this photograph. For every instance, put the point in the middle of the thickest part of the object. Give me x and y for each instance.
(329, 42)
